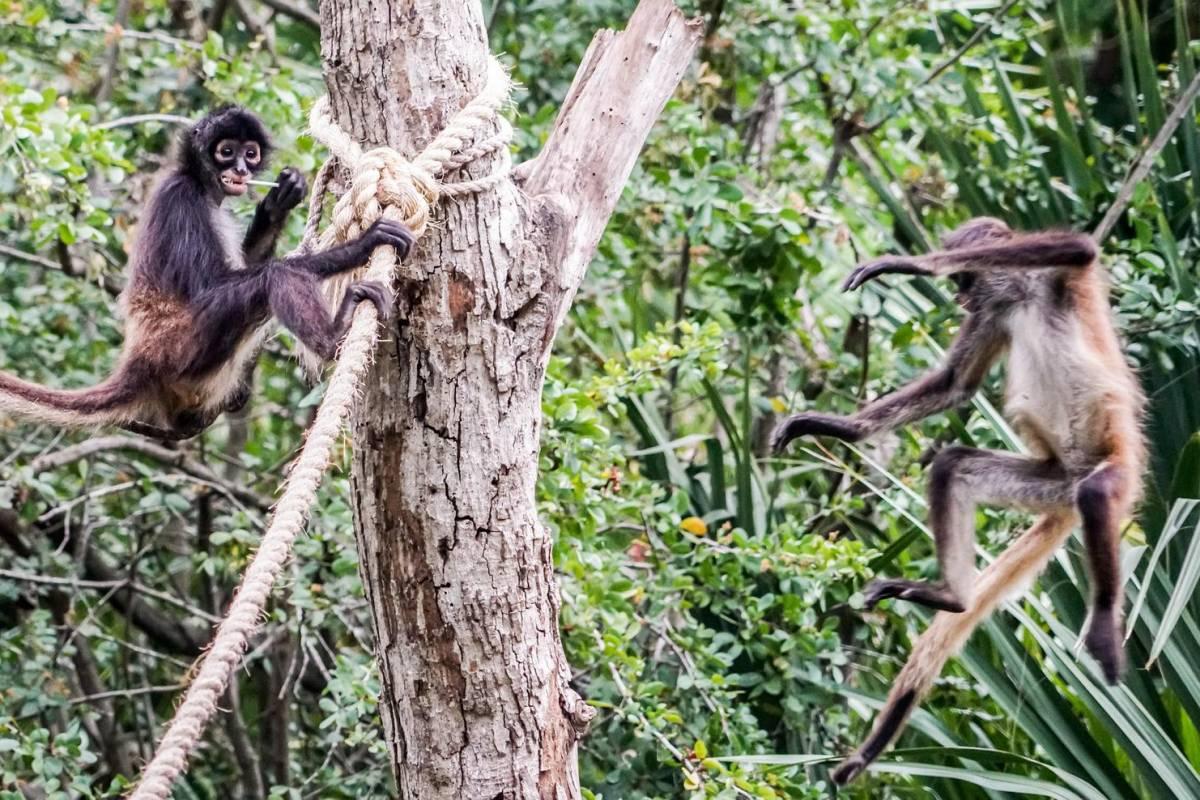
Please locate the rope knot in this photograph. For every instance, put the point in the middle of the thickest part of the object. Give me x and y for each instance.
(382, 180)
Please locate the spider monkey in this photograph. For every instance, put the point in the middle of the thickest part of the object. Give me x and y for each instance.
(1043, 298)
(197, 300)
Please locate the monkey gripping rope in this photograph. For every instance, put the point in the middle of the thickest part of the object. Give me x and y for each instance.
(382, 184)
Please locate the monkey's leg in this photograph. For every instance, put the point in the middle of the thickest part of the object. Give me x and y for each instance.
(959, 479)
(298, 303)
(1102, 499)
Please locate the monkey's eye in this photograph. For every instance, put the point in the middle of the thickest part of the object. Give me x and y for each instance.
(252, 155)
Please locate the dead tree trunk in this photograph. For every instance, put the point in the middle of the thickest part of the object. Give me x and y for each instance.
(457, 567)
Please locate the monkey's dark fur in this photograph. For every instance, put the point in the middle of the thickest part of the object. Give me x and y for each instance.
(197, 299)
(1042, 298)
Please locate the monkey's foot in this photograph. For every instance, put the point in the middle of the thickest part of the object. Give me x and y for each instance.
(1103, 640)
(374, 292)
(161, 434)
(933, 595)
(799, 425)
(848, 770)
(238, 400)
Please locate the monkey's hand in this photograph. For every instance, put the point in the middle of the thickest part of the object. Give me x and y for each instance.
(799, 425)
(386, 232)
(896, 265)
(285, 196)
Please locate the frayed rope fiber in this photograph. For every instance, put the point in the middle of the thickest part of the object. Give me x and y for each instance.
(383, 184)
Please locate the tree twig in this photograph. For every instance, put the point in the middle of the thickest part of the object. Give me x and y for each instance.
(125, 693)
(979, 33)
(1143, 163)
(112, 57)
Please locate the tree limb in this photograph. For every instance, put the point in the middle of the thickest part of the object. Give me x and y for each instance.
(1141, 167)
(619, 90)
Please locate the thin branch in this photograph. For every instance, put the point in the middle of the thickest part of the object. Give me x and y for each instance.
(126, 693)
(112, 57)
(91, 684)
(864, 161)
(147, 36)
(296, 12)
(967, 45)
(180, 459)
(138, 119)
(1144, 162)
(80, 583)
(106, 282)
(31, 258)
(244, 752)
(258, 28)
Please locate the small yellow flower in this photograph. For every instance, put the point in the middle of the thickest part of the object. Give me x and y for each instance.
(694, 526)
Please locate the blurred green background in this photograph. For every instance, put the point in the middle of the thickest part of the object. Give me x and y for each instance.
(711, 606)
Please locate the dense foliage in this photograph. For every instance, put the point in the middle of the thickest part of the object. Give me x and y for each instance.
(710, 591)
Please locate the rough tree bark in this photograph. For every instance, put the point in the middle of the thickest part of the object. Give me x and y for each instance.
(458, 569)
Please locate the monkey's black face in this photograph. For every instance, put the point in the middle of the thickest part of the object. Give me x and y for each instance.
(236, 161)
(223, 150)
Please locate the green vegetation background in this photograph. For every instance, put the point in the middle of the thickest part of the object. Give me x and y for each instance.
(710, 591)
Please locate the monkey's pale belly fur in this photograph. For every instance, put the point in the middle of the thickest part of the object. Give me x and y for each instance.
(1052, 395)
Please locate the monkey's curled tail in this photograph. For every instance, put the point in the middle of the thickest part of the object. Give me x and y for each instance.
(1014, 569)
(106, 403)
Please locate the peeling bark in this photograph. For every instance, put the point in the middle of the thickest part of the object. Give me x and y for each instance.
(457, 567)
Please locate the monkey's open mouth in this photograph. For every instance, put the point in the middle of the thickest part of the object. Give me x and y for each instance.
(234, 184)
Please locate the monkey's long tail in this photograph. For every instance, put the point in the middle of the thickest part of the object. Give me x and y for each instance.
(108, 402)
(1012, 571)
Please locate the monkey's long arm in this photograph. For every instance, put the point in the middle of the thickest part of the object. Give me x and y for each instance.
(353, 254)
(1053, 250)
(977, 347)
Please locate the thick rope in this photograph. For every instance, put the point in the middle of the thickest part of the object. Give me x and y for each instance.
(383, 184)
